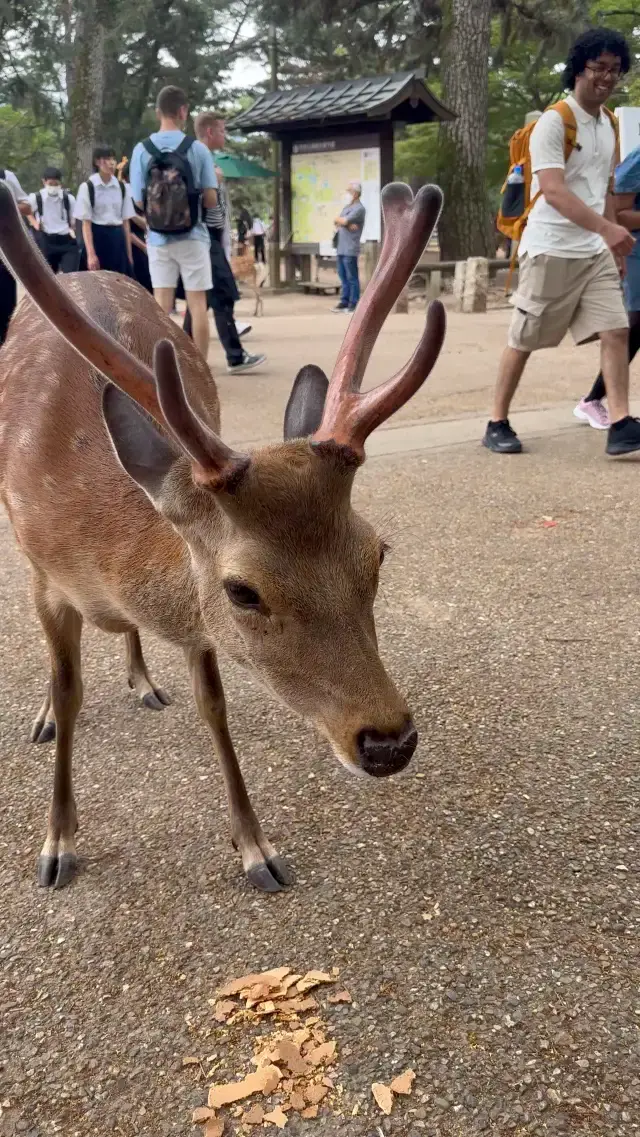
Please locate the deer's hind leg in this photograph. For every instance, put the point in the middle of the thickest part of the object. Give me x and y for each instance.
(62, 624)
(263, 867)
(138, 677)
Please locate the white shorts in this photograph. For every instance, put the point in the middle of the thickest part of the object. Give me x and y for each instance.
(190, 259)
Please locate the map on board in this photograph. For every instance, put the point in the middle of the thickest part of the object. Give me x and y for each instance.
(318, 185)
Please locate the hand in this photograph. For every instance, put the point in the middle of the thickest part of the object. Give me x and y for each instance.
(621, 262)
(618, 239)
(92, 262)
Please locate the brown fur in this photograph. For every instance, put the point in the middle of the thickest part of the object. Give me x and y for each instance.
(253, 274)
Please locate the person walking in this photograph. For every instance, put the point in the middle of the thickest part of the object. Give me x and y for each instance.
(591, 408)
(53, 208)
(258, 232)
(104, 207)
(172, 179)
(221, 297)
(8, 287)
(349, 226)
(572, 245)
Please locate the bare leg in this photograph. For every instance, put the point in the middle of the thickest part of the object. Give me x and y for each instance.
(139, 679)
(197, 304)
(261, 863)
(614, 357)
(166, 298)
(63, 626)
(512, 364)
(44, 726)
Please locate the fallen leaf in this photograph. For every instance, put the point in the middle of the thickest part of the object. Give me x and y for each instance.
(202, 1113)
(323, 1053)
(313, 979)
(224, 1008)
(383, 1096)
(340, 997)
(315, 1094)
(403, 1083)
(254, 1115)
(214, 1128)
(310, 1111)
(276, 1117)
(263, 1081)
(297, 1102)
(190, 1061)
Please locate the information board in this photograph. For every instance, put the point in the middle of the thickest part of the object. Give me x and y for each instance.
(320, 174)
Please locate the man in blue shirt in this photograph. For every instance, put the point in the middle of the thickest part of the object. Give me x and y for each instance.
(349, 225)
(183, 254)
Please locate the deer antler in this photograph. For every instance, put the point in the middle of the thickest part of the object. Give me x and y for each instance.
(349, 417)
(162, 395)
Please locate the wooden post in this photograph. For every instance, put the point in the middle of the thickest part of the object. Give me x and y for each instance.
(274, 248)
(285, 183)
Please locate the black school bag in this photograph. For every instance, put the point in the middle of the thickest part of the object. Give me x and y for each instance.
(170, 199)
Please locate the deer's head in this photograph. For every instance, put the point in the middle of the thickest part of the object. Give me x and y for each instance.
(286, 570)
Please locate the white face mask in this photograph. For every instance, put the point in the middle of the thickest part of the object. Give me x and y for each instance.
(54, 191)
(348, 198)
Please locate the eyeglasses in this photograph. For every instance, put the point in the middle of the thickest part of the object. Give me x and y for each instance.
(602, 71)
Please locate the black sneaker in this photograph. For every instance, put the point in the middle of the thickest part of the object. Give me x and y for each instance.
(340, 308)
(499, 436)
(624, 436)
(248, 363)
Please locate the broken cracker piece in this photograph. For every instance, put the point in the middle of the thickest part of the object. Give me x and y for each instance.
(383, 1096)
(202, 1113)
(310, 1111)
(190, 1061)
(315, 1094)
(254, 1115)
(276, 1117)
(297, 1102)
(214, 1128)
(322, 1054)
(263, 1081)
(340, 997)
(403, 1083)
(313, 979)
(272, 978)
(288, 1053)
(298, 1005)
(224, 1008)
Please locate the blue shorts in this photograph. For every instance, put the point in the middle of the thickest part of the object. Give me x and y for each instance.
(631, 285)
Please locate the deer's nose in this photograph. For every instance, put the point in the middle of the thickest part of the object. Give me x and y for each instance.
(385, 754)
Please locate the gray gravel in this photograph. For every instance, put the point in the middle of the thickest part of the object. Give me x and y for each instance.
(483, 908)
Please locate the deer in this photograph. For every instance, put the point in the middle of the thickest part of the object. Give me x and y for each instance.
(134, 514)
(253, 274)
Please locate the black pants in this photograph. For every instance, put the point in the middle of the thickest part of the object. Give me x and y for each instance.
(221, 299)
(8, 299)
(60, 250)
(598, 391)
(258, 249)
(111, 250)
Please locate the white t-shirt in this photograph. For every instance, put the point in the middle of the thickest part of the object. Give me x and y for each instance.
(15, 187)
(587, 175)
(258, 228)
(111, 208)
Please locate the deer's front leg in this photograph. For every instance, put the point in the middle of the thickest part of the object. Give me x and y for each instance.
(262, 865)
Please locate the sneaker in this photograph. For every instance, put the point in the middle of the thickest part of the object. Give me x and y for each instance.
(351, 308)
(248, 363)
(243, 329)
(624, 436)
(594, 412)
(499, 436)
(340, 308)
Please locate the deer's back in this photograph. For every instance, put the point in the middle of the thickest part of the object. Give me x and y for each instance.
(74, 510)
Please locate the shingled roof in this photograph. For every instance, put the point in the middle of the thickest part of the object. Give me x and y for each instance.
(404, 97)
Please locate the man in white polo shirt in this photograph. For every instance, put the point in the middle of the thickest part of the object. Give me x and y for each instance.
(53, 208)
(572, 248)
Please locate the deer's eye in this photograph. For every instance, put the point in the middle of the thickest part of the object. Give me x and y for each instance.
(241, 594)
(384, 549)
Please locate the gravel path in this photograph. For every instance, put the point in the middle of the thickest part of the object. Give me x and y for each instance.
(483, 908)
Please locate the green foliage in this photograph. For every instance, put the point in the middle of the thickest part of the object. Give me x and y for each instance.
(26, 147)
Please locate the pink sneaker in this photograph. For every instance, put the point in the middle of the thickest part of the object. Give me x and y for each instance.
(594, 412)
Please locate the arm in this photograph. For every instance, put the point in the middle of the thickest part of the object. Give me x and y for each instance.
(87, 236)
(127, 239)
(209, 198)
(206, 176)
(140, 221)
(560, 197)
(625, 212)
(138, 243)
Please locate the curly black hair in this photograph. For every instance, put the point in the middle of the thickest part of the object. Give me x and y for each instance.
(589, 46)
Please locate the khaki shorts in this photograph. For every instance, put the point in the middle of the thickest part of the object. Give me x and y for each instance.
(556, 295)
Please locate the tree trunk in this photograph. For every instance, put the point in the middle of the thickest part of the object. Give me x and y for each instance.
(87, 77)
(466, 227)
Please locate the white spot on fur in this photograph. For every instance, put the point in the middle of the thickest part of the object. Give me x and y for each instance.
(26, 438)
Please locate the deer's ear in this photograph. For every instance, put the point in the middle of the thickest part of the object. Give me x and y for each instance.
(142, 450)
(306, 403)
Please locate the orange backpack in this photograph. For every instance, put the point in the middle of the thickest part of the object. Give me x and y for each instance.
(516, 202)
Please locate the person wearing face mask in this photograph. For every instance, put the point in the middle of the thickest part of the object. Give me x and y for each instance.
(349, 226)
(53, 209)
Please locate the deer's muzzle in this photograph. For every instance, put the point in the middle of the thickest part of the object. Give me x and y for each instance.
(384, 754)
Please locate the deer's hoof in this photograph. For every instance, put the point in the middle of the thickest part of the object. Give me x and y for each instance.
(43, 731)
(56, 871)
(156, 700)
(271, 875)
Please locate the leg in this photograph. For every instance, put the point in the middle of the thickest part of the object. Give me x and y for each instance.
(197, 305)
(62, 625)
(165, 298)
(138, 677)
(344, 281)
(260, 861)
(69, 258)
(354, 281)
(227, 333)
(614, 357)
(512, 365)
(44, 727)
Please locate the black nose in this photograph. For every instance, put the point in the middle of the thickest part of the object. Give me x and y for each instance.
(385, 754)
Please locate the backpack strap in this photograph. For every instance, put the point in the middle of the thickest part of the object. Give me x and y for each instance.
(91, 190)
(66, 205)
(2, 176)
(615, 123)
(151, 148)
(185, 145)
(39, 203)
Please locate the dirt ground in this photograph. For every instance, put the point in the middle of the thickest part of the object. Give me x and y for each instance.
(483, 907)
